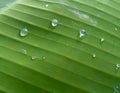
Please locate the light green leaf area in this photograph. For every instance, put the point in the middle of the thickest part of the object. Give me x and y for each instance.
(43, 48)
(6, 3)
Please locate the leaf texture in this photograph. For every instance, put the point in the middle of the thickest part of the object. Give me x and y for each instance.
(64, 62)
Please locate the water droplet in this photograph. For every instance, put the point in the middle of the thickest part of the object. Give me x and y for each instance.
(43, 57)
(33, 57)
(102, 39)
(54, 22)
(23, 51)
(94, 55)
(82, 33)
(116, 28)
(24, 32)
(46, 5)
(117, 66)
(117, 89)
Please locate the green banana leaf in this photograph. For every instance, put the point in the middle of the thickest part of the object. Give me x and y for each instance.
(59, 46)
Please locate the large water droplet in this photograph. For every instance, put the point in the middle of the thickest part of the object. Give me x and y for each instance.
(117, 89)
(24, 32)
(102, 40)
(54, 22)
(82, 33)
(94, 55)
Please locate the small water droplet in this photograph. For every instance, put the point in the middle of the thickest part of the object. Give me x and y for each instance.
(23, 51)
(24, 32)
(94, 55)
(46, 5)
(43, 57)
(117, 66)
(116, 28)
(82, 33)
(33, 57)
(117, 89)
(54, 22)
(102, 39)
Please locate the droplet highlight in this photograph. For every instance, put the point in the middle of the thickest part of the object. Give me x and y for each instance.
(46, 5)
(24, 51)
(24, 32)
(102, 39)
(33, 57)
(117, 66)
(116, 28)
(82, 33)
(43, 58)
(54, 22)
(94, 55)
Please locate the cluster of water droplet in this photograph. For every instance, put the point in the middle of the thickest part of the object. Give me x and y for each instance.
(24, 51)
(82, 33)
(54, 22)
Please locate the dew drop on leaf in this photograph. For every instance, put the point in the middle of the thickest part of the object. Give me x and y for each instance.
(82, 33)
(24, 32)
(46, 5)
(33, 57)
(102, 40)
(43, 58)
(117, 89)
(94, 55)
(24, 51)
(54, 22)
(116, 28)
(117, 66)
